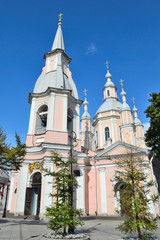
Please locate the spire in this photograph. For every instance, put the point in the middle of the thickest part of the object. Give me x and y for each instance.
(58, 40)
(85, 101)
(136, 120)
(123, 93)
(125, 106)
(85, 115)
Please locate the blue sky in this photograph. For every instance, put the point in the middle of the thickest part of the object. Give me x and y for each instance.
(124, 32)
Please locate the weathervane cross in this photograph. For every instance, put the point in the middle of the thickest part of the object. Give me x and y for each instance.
(133, 100)
(60, 17)
(121, 82)
(107, 64)
(85, 92)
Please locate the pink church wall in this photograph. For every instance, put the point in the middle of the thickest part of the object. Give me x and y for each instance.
(91, 192)
(98, 193)
(58, 113)
(110, 194)
(15, 194)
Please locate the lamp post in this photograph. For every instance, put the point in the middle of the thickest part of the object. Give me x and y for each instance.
(5, 207)
(73, 143)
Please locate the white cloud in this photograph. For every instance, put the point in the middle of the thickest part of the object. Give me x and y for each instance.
(146, 126)
(91, 49)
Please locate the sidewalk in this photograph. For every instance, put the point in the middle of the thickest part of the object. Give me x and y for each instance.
(18, 229)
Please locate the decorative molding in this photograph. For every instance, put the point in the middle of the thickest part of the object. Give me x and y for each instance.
(35, 165)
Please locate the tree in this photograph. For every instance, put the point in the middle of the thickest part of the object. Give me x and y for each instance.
(62, 214)
(135, 196)
(11, 158)
(153, 133)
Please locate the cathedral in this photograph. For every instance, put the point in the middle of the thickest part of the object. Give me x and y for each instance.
(55, 121)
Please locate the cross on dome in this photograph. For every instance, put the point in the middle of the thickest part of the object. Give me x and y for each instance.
(85, 92)
(107, 64)
(121, 82)
(60, 17)
(133, 100)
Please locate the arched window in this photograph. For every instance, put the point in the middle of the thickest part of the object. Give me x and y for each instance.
(108, 93)
(41, 121)
(107, 135)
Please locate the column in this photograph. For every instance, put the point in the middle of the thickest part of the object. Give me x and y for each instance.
(51, 112)
(48, 187)
(65, 109)
(103, 190)
(10, 192)
(31, 121)
(80, 190)
(22, 190)
(77, 122)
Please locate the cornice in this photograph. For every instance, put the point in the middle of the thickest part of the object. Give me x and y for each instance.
(54, 90)
(57, 51)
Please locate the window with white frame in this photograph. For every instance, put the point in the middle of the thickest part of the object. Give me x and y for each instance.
(107, 134)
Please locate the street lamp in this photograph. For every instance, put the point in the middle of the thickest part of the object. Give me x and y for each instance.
(73, 143)
(5, 207)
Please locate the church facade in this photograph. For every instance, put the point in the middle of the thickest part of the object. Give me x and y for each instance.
(54, 120)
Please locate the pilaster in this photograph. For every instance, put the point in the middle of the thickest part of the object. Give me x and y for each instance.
(103, 190)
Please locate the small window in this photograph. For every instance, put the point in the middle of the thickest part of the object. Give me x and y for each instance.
(96, 139)
(108, 93)
(107, 135)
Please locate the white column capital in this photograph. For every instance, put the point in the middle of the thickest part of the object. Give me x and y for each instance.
(102, 169)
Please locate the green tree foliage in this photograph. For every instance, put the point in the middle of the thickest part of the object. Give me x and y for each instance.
(135, 196)
(11, 158)
(62, 215)
(153, 133)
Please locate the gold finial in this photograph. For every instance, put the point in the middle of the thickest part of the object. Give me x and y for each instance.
(60, 17)
(107, 65)
(121, 82)
(85, 92)
(133, 100)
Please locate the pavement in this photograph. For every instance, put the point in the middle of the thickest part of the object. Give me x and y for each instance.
(25, 229)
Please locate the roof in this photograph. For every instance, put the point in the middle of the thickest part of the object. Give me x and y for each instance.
(46, 80)
(58, 40)
(109, 104)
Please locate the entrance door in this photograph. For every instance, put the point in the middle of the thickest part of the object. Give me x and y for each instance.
(33, 196)
(28, 201)
(34, 201)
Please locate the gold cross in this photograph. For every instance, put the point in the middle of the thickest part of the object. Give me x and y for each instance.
(107, 65)
(85, 92)
(60, 17)
(133, 100)
(121, 82)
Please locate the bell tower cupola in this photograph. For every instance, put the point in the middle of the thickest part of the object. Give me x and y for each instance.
(110, 91)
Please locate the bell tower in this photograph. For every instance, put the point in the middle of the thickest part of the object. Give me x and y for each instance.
(54, 101)
(54, 116)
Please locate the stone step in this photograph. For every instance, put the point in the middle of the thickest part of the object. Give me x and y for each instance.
(31, 217)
